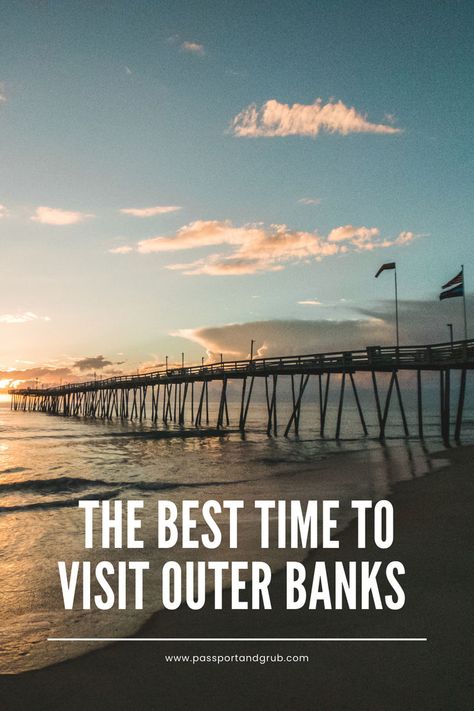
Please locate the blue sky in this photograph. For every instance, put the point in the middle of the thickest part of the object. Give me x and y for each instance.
(108, 106)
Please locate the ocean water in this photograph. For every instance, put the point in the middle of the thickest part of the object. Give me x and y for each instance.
(48, 463)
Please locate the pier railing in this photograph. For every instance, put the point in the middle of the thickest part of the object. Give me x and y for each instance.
(379, 358)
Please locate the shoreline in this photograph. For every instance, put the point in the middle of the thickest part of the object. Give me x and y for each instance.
(432, 523)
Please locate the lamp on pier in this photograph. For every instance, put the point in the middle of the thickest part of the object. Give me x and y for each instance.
(252, 342)
(451, 337)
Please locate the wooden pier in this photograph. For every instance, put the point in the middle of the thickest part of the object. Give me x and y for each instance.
(181, 395)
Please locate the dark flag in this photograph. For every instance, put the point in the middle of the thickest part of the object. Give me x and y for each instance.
(454, 287)
(458, 279)
(388, 265)
(451, 293)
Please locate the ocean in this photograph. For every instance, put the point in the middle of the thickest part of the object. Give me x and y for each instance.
(49, 463)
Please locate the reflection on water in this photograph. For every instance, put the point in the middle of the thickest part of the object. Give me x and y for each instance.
(48, 464)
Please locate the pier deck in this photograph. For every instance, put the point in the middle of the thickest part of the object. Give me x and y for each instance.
(126, 396)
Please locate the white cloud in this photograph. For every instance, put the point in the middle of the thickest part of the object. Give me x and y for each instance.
(3, 211)
(309, 201)
(24, 317)
(56, 216)
(3, 96)
(150, 211)
(287, 337)
(128, 71)
(310, 302)
(419, 322)
(193, 48)
(277, 119)
(256, 248)
(121, 250)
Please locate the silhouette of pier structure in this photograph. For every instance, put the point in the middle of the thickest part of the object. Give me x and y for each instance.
(181, 395)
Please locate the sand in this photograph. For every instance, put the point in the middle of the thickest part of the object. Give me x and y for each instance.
(434, 535)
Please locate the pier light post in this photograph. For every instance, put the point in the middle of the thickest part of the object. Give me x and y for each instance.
(182, 360)
(166, 363)
(222, 360)
(450, 326)
(252, 342)
(202, 361)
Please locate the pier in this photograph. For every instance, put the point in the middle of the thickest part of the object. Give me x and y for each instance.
(181, 395)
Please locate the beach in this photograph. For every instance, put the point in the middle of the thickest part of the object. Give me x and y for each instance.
(434, 532)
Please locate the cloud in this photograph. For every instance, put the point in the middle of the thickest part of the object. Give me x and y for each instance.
(24, 317)
(51, 374)
(367, 238)
(277, 119)
(348, 232)
(121, 250)
(56, 216)
(256, 248)
(3, 211)
(3, 96)
(93, 363)
(309, 201)
(128, 71)
(150, 211)
(310, 302)
(193, 48)
(28, 377)
(420, 322)
(286, 337)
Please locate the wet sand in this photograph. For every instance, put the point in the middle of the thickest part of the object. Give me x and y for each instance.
(433, 538)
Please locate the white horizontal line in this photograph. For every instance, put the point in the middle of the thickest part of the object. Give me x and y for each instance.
(237, 639)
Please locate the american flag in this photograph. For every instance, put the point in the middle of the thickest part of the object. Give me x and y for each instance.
(454, 287)
(458, 279)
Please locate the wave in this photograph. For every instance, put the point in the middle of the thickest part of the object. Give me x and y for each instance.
(14, 470)
(51, 486)
(62, 503)
(69, 484)
(109, 490)
(131, 434)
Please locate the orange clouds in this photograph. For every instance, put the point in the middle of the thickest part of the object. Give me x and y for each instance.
(74, 370)
(256, 248)
(277, 119)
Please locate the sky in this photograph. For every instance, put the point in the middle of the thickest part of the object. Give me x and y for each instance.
(186, 176)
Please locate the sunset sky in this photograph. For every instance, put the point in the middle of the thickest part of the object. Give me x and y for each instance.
(186, 176)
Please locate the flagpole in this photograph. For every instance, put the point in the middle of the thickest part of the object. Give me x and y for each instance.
(392, 265)
(464, 302)
(396, 306)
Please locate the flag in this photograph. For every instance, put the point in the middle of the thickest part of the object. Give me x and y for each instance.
(458, 279)
(388, 265)
(458, 290)
(457, 284)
